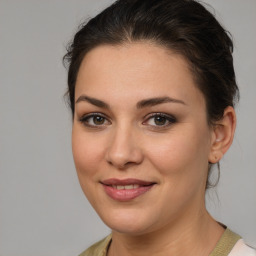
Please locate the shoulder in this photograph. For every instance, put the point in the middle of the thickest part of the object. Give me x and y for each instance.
(99, 248)
(231, 244)
(241, 249)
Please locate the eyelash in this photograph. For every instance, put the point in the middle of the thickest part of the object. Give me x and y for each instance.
(168, 120)
(86, 118)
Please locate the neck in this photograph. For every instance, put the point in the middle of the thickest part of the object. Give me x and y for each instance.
(196, 236)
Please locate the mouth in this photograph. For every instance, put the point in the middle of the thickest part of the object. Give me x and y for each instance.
(127, 189)
(131, 186)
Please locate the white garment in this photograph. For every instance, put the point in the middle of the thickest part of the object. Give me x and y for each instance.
(241, 249)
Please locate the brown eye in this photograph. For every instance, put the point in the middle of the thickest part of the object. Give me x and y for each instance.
(98, 120)
(95, 120)
(160, 120)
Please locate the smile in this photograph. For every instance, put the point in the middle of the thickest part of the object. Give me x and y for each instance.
(126, 190)
(132, 186)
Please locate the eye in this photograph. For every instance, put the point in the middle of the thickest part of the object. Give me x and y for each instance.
(94, 120)
(160, 120)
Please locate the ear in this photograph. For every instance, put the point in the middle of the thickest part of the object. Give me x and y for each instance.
(222, 135)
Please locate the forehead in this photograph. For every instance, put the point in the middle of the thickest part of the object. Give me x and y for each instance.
(136, 68)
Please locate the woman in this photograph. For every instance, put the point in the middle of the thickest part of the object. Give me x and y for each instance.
(152, 90)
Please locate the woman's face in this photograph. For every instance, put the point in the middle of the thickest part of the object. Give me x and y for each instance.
(141, 141)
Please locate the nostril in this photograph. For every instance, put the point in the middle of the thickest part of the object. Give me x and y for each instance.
(123, 150)
(121, 164)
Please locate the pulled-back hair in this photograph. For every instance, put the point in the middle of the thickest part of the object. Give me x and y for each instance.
(185, 27)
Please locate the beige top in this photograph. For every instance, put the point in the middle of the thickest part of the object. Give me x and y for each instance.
(229, 244)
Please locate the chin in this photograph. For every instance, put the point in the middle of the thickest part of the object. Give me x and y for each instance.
(128, 222)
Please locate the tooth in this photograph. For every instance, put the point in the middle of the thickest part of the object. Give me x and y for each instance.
(131, 186)
(128, 187)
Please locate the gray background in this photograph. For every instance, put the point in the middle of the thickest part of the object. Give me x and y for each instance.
(42, 208)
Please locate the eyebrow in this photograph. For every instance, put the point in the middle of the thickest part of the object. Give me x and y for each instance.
(155, 101)
(141, 104)
(93, 101)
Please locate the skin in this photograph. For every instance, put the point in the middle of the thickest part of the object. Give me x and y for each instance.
(127, 142)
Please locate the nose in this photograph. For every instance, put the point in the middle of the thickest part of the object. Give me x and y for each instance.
(124, 149)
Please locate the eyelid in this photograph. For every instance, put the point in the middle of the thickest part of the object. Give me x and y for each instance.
(159, 114)
(170, 118)
(86, 117)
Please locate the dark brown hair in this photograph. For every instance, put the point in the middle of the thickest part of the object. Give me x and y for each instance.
(183, 26)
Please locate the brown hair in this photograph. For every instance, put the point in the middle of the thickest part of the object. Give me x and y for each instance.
(183, 26)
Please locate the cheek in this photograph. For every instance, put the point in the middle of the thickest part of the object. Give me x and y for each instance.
(88, 159)
(182, 163)
(181, 155)
(86, 153)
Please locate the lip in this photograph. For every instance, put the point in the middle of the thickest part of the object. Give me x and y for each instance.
(110, 187)
(110, 182)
